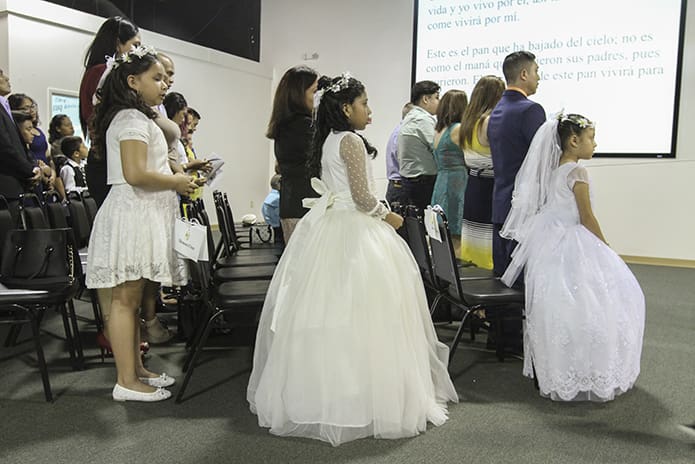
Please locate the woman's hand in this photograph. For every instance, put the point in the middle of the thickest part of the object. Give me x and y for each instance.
(198, 165)
(394, 220)
(184, 184)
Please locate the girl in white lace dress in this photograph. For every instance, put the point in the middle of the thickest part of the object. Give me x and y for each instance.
(345, 346)
(584, 308)
(131, 248)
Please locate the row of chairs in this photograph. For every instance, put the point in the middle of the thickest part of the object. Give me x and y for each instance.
(231, 286)
(19, 306)
(468, 288)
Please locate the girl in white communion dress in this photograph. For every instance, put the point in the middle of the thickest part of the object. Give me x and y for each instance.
(584, 308)
(346, 348)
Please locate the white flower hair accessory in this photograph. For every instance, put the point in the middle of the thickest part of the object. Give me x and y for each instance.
(336, 87)
(576, 119)
(113, 62)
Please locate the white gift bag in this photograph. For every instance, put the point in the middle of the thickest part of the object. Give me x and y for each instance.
(190, 239)
(432, 224)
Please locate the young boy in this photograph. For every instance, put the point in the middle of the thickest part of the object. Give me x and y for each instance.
(271, 208)
(72, 172)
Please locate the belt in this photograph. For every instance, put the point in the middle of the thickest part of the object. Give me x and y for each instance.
(484, 172)
(420, 178)
(395, 182)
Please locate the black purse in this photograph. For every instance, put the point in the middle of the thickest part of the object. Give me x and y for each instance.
(39, 259)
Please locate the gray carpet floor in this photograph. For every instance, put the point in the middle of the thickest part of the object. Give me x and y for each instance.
(500, 417)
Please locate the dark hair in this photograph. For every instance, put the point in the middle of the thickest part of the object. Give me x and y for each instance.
(451, 108)
(275, 181)
(194, 113)
(113, 31)
(70, 145)
(56, 121)
(422, 88)
(15, 101)
(569, 125)
(290, 97)
(21, 116)
(117, 95)
(486, 93)
(514, 63)
(173, 103)
(330, 116)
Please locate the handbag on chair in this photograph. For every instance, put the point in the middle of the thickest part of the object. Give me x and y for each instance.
(39, 259)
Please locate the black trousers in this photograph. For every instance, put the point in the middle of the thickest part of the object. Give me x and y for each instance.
(418, 190)
(96, 178)
(395, 193)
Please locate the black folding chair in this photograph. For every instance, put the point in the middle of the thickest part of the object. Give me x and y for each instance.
(468, 294)
(31, 212)
(56, 212)
(21, 306)
(239, 302)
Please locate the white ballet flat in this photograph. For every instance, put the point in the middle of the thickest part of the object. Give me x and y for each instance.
(124, 394)
(162, 381)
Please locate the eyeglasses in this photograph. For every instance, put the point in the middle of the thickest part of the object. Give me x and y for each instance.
(28, 108)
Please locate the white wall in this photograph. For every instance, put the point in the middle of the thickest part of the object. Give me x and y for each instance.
(45, 47)
(644, 206)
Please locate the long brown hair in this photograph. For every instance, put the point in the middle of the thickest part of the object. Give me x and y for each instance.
(486, 93)
(290, 97)
(451, 108)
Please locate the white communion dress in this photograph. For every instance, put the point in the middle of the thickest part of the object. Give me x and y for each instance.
(584, 308)
(133, 232)
(345, 347)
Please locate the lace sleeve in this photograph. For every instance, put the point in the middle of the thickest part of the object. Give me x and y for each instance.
(352, 152)
(578, 174)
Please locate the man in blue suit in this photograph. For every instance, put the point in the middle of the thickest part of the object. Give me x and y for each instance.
(512, 125)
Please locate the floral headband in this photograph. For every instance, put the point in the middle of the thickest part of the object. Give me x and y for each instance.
(113, 62)
(336, 87)
(576, 119)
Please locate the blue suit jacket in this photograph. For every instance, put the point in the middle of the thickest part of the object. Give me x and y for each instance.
(512, 125)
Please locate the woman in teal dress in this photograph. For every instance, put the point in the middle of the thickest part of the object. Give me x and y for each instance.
(452, 174)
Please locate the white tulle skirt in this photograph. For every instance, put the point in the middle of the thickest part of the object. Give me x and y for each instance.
(584, 314)
(132, 238)
(345, 347)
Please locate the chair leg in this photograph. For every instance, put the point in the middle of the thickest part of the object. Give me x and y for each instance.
(499, 343)
(12, 335)
(98, 317)
(68, 334)
(77, 341)
(40, 357)
(435, 302)
(197, 334)
(195, 354)
(459, 334)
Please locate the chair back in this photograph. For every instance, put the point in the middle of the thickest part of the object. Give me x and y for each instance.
(31, 212)
(224, 229)
(417, 241)
(444, 262)
(78, 219)
(7, 223)
(56, 212)
(90, 206)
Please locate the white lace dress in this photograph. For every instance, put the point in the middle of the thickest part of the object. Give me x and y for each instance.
(584, 308)
(345, 346)
(132, 236)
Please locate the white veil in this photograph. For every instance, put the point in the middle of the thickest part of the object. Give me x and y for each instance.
(533, 180)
